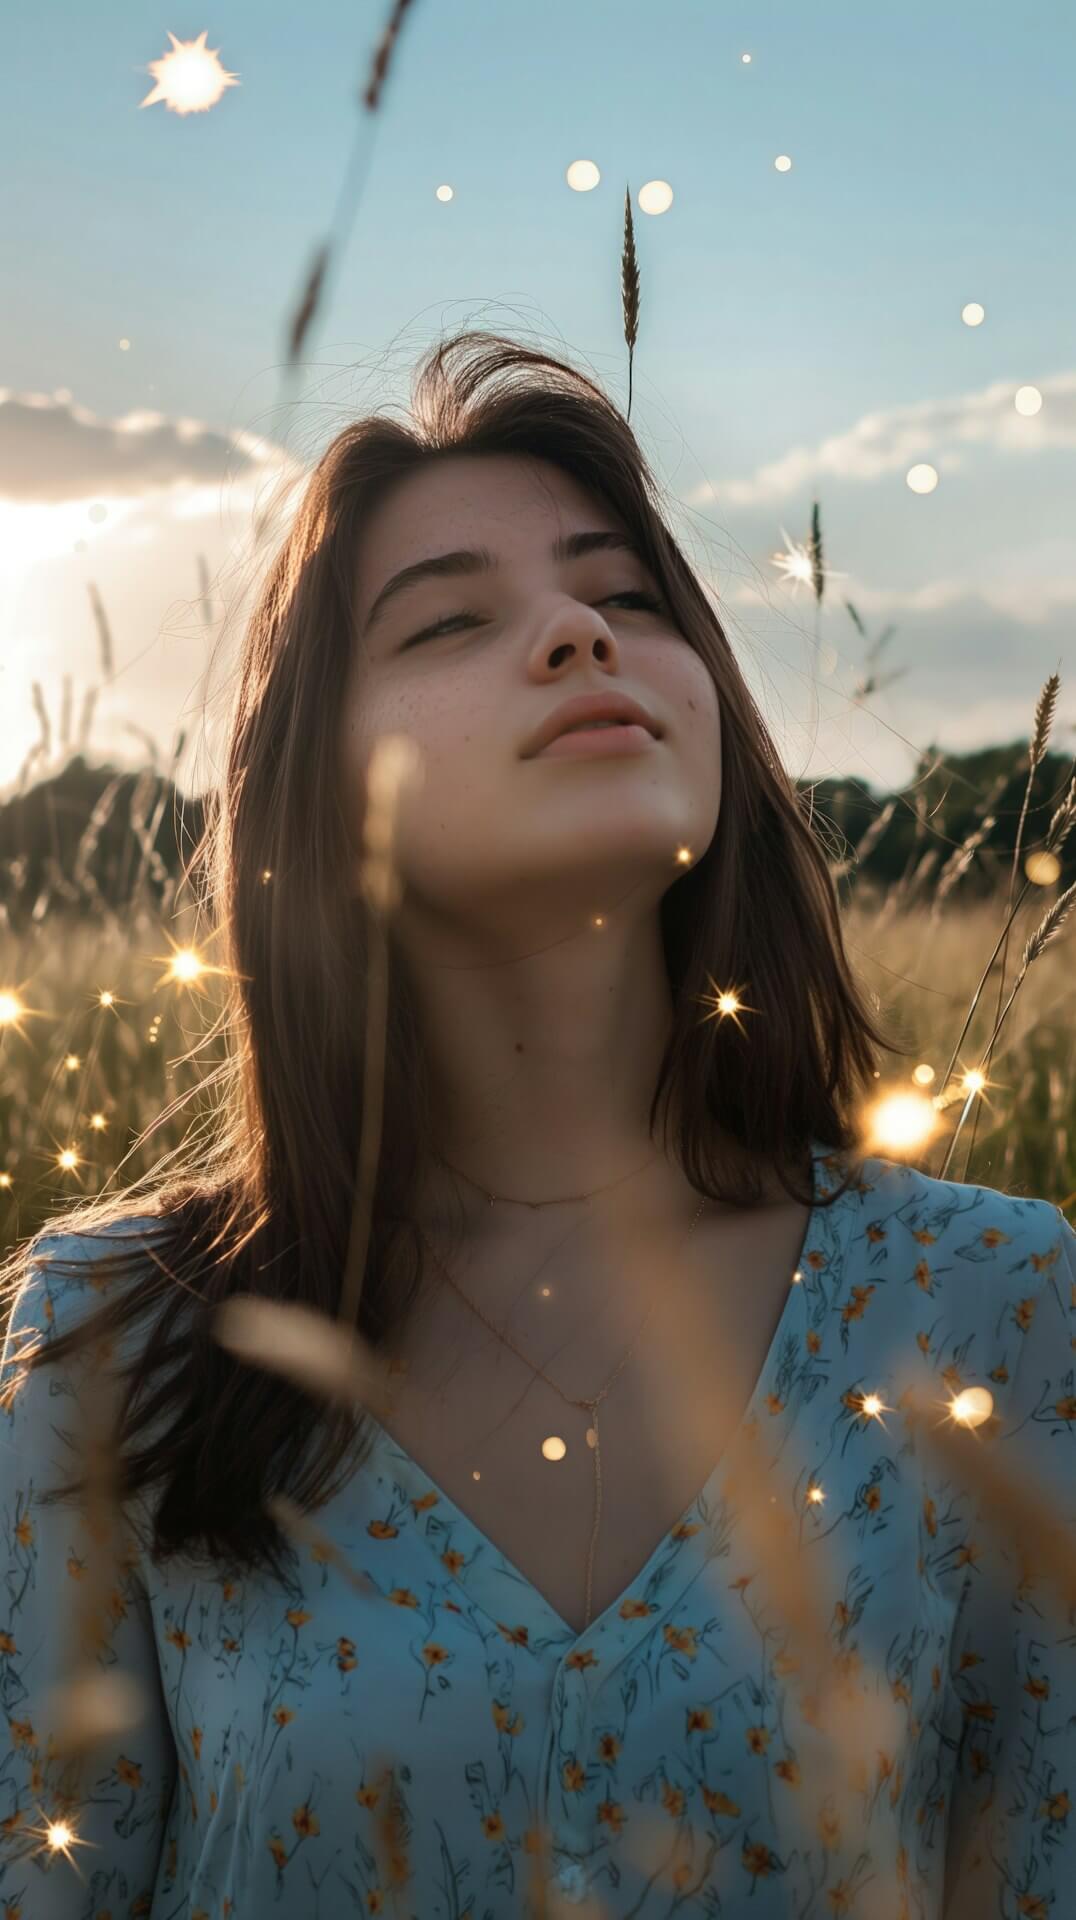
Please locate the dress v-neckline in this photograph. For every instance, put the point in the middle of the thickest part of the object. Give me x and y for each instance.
(493, 1583)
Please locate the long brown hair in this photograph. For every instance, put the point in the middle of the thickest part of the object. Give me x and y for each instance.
(263, 1203)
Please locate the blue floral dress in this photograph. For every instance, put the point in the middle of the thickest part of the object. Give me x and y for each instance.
(435, 1742)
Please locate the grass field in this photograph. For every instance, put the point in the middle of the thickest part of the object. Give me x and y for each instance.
(91, 1080)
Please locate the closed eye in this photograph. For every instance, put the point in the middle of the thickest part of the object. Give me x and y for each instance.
(641, 602)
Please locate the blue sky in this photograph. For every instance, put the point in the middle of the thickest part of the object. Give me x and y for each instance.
(800, 337)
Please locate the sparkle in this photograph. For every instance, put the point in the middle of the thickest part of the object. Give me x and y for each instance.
(971, 1407)
(186, 965)
(190, 79)
(72, 1062)
(872, 1405)
(815, 1495)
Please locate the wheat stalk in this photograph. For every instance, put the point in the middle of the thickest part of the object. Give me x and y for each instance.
(629, 289)
(1044, 713)
(370, 99)
(1061, 825)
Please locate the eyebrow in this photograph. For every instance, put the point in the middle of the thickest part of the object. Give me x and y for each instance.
(468, 560)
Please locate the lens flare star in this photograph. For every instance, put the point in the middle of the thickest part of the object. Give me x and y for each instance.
(190, 79)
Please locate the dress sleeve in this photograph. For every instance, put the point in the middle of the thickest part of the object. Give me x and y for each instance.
(1011, 1847)
(117, 1824)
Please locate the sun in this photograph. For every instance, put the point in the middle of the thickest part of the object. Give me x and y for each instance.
(190, 79)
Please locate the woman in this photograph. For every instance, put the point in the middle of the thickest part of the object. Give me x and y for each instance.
(628, 1370)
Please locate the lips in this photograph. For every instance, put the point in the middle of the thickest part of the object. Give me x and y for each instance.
(584, 710)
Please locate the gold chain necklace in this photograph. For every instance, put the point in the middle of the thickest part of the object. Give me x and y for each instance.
(593, 1437)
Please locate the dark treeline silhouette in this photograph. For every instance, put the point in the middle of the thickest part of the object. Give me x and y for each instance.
(91, 840)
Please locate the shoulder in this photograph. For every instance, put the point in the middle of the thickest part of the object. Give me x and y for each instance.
(966, 1270)
(59, 1280)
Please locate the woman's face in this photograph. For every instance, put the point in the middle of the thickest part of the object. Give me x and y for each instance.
(497, 838)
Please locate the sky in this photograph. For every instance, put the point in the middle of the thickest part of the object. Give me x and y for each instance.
(801, 330)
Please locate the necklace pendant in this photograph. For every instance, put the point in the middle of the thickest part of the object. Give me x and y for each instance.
(592, 1436)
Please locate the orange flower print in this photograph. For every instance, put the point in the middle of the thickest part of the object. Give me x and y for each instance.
(635, 1609)
(699, 1720)
(673, 1799)
(829, 1828)
(930, 1517)
(502, 1722)
(424, 1503)
(434, 1655)
(774, 1402)
(1065, 1408)
(756, 1858)
(1000, 1374)
(1056, 1807)
(611, 1815)
(573, 1776)
(516, 1636)
(1038, 1688)
(788, 1769)
(683, 1640)
(453, 1560)
(382, 1530)
(297, 1616)
(1024, 1313)
(757, 1739)
(922, 1341)
(580, 1659)
(305, 1823)
(608, 1748)
(993, 1237)
(923, 1278)
(716, 1802)
(854, 1309)
(983, 1710)
(403, 1597)
(493, 1826)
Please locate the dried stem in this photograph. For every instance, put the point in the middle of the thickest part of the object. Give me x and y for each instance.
(1044, 714)
(629, 287)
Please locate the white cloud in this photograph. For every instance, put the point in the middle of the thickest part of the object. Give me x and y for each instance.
(53, 450)
(892, 440)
